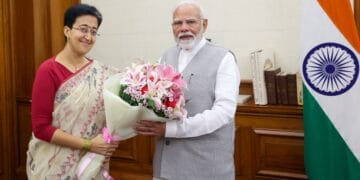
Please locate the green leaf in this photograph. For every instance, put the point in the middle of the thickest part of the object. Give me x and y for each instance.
(126, 97)
(151, 105)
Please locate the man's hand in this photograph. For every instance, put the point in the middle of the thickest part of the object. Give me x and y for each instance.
(150, 128)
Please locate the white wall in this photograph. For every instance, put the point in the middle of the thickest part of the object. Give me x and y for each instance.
(141, 29)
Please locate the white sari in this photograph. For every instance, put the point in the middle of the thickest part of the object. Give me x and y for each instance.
(78, 110)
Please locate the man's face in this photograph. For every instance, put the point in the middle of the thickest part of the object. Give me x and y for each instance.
(188, 26)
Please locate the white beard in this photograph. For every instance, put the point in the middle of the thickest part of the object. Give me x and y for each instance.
(191, 43)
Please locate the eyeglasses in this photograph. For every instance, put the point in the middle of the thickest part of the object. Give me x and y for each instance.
(87, 29)
(190, 22)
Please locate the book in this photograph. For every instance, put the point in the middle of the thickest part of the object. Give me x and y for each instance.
(259, 61)
(270, 83)
(291, 89)
(254, 68)
(299, 89)
(281, 88)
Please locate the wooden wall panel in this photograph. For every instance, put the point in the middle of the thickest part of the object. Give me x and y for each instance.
(23, 50)
(6, 92)
(42, 32)
(23, 46)
(2, 81)
(24, 133)
(56, 14)
(2, 162)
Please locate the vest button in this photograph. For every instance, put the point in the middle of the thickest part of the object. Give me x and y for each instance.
(167, 142)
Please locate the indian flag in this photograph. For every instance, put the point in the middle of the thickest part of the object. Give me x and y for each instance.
(330, 49)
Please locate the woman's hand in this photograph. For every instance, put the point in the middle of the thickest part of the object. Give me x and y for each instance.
(98, 144)
(101, 147)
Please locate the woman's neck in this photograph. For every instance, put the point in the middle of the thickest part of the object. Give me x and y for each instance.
(71, 61)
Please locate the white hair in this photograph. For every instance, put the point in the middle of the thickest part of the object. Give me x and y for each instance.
(190, 2)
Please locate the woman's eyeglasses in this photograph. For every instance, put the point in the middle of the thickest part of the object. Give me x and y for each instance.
(87, 29)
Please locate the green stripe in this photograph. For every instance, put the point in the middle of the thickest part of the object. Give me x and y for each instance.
(327, 157)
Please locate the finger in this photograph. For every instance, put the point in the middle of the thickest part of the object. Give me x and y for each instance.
(106, 154)
(145, 130)
(141, 128)
(147, 133)
(112, 150)
(115, 143)
(109, 154)
(112, 146)
(147, 123)
(106, 160)
(143, 121)
(137, 124)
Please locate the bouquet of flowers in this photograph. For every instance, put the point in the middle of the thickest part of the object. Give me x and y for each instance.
(157, 87)
(143, 92)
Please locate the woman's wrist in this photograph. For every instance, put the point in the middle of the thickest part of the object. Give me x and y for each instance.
(86, 145)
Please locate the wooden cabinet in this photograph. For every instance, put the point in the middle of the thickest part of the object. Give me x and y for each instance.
(269, 142)
(133, 159)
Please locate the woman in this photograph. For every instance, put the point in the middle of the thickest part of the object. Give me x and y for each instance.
(67, 102)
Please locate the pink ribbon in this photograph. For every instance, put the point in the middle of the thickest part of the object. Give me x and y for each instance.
(106, 174)
(108, 139)
(85, 164)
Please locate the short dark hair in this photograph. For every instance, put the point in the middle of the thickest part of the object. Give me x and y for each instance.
(77, 10)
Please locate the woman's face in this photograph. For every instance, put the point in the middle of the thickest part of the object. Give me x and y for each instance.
(82, 36)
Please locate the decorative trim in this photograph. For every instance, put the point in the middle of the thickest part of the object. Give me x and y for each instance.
(282, 174)
(274, 132)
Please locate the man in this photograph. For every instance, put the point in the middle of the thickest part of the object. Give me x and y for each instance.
(201, 146)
